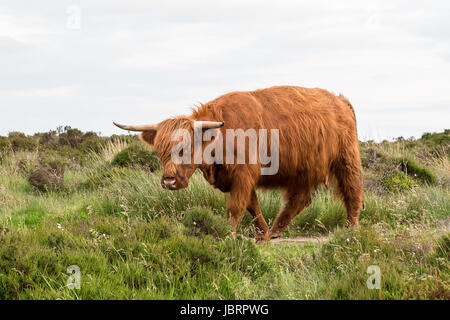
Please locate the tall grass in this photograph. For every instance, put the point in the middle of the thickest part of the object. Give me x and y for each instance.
(108, 150)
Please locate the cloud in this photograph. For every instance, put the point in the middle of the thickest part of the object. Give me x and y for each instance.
(44, 94)
(149, 60)
(11, 45)
(181, 46)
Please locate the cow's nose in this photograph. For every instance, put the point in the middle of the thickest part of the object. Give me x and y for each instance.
(169, 182)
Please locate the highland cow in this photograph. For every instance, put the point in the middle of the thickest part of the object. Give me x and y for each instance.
(317, 143)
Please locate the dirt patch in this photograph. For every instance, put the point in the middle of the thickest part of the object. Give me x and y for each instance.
(300, 240)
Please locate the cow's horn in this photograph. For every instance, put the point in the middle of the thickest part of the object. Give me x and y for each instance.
(145, 127)
(208, 124)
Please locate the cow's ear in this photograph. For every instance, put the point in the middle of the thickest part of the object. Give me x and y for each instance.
(148, 137)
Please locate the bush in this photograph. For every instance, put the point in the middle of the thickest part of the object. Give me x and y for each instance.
(48, 176)
(48, 139)
(200, 221)
(397, 181)
(91, 145)
(437, 138)
(20, 142)
(5, 145)
(125, 138)
(137, 155)
(70, 137)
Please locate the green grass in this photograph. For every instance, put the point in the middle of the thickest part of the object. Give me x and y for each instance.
(397, 182)
(412, 168)
(134, 240)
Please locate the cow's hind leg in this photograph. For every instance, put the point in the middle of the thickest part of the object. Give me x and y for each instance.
(296, 201)
(348, 175)
(260, 223)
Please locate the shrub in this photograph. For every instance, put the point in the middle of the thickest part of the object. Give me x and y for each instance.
(437, 138)
(20, 142)
(91, 145)
(48, 176)
(90, 135)
(397, 181)
(48, 139)
(125, 138)
(4, 144)
(137, 155)
(200, 221)
(70, 137)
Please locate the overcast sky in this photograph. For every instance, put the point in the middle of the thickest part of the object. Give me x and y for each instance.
(143, 61)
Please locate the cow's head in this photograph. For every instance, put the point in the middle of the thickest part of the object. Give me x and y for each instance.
(160, 136)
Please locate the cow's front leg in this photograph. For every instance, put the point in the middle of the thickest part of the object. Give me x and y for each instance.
(237, 204)
(260, 223)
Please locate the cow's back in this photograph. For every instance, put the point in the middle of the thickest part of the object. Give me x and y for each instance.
(311, 123)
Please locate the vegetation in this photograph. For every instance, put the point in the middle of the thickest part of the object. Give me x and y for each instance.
(200, 221)
(139, 155)
(412, 168)
(397, 181)
(103, 210)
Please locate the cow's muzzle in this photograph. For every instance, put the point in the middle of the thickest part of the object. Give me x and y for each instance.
(169, 183)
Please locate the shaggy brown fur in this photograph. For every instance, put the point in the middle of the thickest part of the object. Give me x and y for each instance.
(317, 142)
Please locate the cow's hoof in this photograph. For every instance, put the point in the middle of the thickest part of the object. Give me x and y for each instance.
(352, 223)
(275, 234)
(262, 238)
